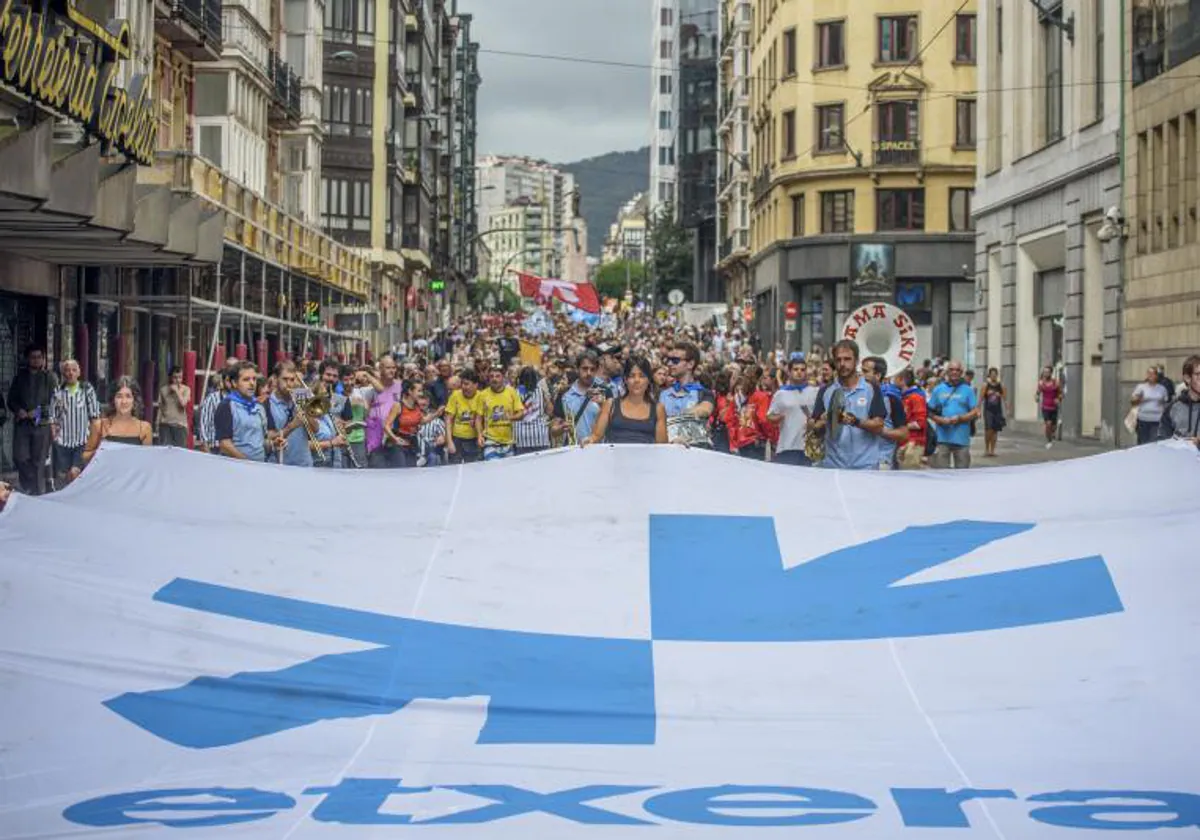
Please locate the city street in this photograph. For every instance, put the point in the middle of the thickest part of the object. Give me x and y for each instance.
(1016, 448)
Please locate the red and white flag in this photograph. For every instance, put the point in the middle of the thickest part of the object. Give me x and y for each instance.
(580, 295)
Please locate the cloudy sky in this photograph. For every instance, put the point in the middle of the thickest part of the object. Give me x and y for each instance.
(558, 110)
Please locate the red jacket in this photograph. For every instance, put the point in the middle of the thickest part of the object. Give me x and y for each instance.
(917, 411)
(756, 429)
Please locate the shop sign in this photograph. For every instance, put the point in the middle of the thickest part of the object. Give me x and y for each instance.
(895, 146)
(63, 59)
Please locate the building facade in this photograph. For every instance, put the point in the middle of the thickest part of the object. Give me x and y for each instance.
(1048, 288)
(862, 154)
(399, 112)
(507, 182)
(696, 141)
(520, 240)
(733, 152)
(664, 111)
(1160, 321)
(126, 240)
(627, 236)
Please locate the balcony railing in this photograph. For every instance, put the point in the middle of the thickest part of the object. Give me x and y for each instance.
(897, 152)
(263, 228)
(762, 183)
(287, 86)
(201, 17)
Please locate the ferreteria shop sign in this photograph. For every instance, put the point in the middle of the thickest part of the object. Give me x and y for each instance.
(53, 53)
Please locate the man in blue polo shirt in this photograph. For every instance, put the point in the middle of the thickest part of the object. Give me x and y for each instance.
(952, 406)
(855, 407)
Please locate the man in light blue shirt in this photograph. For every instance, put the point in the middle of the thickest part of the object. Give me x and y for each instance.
(580, 404)
(952, 406)
(856, 408)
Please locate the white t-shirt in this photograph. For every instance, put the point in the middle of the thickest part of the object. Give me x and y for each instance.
(795, 407)
(1154, 401)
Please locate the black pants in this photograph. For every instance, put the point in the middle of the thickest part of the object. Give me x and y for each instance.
(1147, 431)
(31, 448)
(792, 457)
(466, 451)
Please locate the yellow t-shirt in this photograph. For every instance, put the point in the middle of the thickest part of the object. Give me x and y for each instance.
(462, 410)
(497, 410)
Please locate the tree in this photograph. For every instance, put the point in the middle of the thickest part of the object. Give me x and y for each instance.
(671, 253)
(504, 298)
(612, 279)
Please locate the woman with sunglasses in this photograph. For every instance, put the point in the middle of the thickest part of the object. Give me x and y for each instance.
(636, 417)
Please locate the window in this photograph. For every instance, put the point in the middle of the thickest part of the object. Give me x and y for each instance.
(960, 209)
(964, 124)
(664, 17)
(837, 212)
(664, 119)
(789, 53)
(664, 49)
(1098, 59)
(666, 155)
(964, 39)
(788, 137)
(900, 209)
(831, 44)
(797, 215)
(830, 119)
(898, 132)
(897, 39)
(664, 84)
(1052, 92)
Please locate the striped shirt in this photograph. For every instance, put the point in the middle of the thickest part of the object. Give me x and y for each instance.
(531, 430)
(208, 411)
(429, 432)
(74, 410)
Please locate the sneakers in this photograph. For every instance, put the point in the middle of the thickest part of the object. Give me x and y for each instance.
(1049, 444)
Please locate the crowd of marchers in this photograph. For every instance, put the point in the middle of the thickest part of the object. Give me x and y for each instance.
(491, 387)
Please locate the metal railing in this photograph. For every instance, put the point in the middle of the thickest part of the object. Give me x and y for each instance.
(897, 152)
(286, 84)
(263, 228)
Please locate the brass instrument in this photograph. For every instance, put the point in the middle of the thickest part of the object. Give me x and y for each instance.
(814, 445)
(312, 405)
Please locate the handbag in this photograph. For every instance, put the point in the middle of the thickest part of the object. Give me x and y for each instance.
(1131, 420)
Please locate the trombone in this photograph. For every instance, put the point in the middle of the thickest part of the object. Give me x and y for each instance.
(312, 405)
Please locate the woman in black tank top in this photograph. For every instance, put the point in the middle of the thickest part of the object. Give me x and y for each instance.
(122, 421)
(636, 417)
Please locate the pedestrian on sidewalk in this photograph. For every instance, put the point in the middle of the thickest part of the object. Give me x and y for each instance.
(173, 399)
(995, 399)
(1151, 399)
(29, 399)
(1049, 398)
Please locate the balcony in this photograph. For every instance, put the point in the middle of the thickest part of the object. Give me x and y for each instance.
(192, 26)
(263, 228)
(762, 183)
(285, 99)
(897, 153)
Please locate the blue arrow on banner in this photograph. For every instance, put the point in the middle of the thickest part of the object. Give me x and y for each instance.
(721, 578)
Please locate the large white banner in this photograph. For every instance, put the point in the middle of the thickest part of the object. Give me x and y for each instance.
(603, 643)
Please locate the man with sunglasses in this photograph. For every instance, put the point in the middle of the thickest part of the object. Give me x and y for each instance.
(578, 407)
(688, 403)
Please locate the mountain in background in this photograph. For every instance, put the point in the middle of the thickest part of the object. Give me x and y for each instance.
(606, 183)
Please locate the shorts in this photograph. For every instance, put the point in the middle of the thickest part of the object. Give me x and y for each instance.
(1050, 415)
(496, 451)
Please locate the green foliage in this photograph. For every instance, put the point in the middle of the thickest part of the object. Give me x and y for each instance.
(506, 299)
(605, 184)
(671, 253)
(612, 279)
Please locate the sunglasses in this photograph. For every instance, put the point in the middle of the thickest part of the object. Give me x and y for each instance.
(674, 360)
